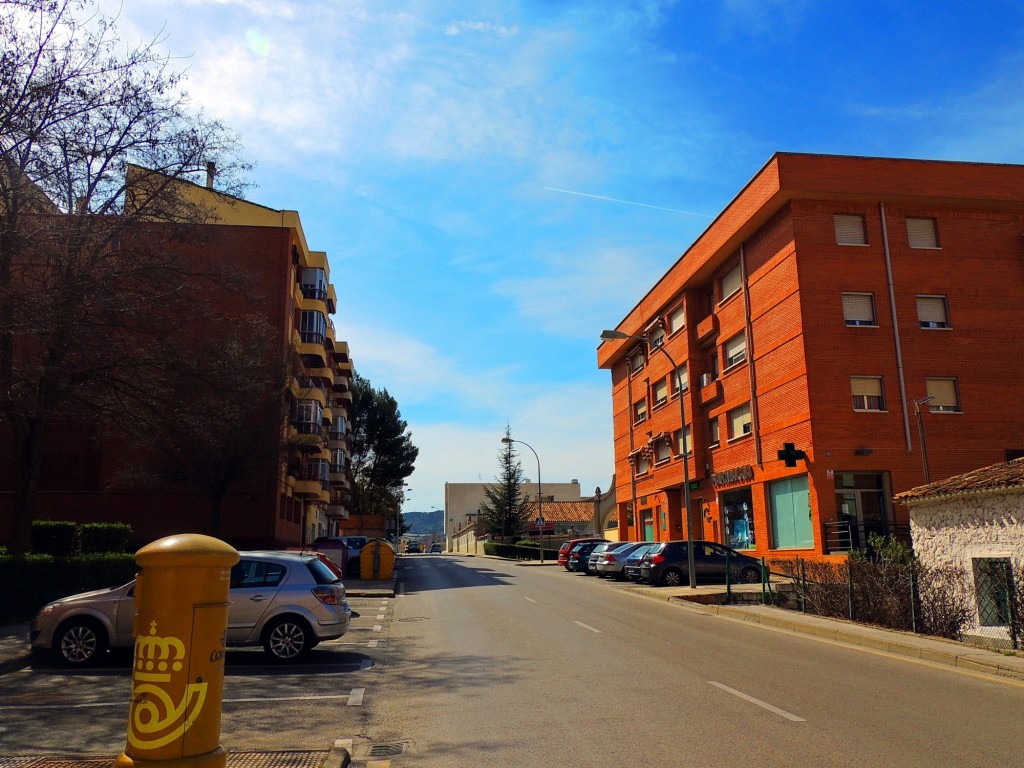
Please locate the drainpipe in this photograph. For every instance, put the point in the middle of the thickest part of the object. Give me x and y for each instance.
(632, 447)
(896, 331)
(749, 328)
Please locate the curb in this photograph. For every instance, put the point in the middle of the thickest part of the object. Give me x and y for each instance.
(340, 755)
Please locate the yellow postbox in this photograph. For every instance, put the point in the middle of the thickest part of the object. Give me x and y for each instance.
(377, 560)
(181, 618)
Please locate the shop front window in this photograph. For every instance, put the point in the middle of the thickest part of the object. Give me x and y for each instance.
(738, 516)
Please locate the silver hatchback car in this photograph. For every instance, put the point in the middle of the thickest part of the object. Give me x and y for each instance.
(285, 601)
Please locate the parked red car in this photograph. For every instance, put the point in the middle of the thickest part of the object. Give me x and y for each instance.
(563, 551)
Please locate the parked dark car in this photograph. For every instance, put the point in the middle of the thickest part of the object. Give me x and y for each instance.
(414, 548)
(668, 564)
(353, 545)
(579, 556)
(631, 565)
(613, 559)
(566, 548)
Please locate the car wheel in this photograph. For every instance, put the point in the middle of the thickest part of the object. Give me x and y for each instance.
(80, 641)
(750, 575)
(287, 639)
(672, 577)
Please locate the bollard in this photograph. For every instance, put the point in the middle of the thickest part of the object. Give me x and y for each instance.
(181, 615)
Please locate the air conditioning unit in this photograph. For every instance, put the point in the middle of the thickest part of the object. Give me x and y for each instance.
(706, 379)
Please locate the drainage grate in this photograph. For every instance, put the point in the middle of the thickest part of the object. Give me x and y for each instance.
(291, 759)
(386, 750)
(62, 762)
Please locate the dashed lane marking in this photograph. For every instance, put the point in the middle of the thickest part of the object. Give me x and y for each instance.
(587, 626)
(758, 702)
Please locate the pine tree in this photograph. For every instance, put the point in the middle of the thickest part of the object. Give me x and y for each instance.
(505, 513)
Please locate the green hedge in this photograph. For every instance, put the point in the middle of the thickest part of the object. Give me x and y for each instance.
(104, 537)
(62, 538)
(30, 581)
(520, 551)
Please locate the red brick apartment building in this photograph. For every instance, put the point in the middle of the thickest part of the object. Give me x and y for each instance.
(865, 313)
(300, 495)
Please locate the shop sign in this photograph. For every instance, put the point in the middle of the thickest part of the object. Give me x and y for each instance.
(743, 474)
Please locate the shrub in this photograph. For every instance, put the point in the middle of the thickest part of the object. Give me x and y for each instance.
(104, 537)
(54, 537)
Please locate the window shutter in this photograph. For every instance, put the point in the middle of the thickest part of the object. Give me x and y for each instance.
(731, 282)
(866, 385)
(737, 419)
(735, 347)
(676, 319)
(680, 373)
(660, 391)
(859, 308)
(850, 229)
(932, 310)
(944, 392)
(921, 233)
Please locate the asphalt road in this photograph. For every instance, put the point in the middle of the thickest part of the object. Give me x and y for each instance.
(493, 664)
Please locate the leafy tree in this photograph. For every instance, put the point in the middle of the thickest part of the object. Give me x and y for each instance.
(383, 454)
(505, 513)
(96, 143)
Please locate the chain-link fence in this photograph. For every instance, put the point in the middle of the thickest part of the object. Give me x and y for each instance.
(946, 601)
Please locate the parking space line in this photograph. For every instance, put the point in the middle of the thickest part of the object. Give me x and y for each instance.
(758, 702)
(529, 598)
(377, 627)
(355, 698)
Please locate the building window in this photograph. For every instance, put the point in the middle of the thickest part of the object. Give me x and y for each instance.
(931, 312)
(657, 336)
(636, 361)
(312, 327)
(731, 282)
(639, 411)
(791, 513)
(308, 414)
(850, 229)
(643, 465)
(713, 432)
(738, 516)
(680, 375)
(859, 309)
(660, 392)
(677, 437)
(735, 350)
(922, 233)
(677, 319)
(945, 398)
(867, 393)
(314, 283)
(992, 585)
(338, 460)
(739, 421)
(662, 452)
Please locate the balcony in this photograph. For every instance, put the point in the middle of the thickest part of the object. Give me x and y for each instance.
(710, 391)
(707, 328)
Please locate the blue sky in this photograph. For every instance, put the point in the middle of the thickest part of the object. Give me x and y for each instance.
(453, 159)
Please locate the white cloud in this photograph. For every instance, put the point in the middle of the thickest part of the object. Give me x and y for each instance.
(584, 292)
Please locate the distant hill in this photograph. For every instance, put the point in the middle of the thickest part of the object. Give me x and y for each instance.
(424, 522)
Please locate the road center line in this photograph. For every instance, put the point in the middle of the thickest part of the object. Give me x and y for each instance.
(587, 626)
(758, 702)
(529, 598)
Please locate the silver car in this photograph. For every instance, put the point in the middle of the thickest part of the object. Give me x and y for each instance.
(285, 601)
(612, 560)
(599, 553)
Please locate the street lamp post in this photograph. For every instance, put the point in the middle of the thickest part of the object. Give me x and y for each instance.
(690, 564)
(540, 499)
(920, 433)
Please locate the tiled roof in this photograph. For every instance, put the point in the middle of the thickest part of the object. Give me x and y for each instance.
(564, 511)
(1008, 475)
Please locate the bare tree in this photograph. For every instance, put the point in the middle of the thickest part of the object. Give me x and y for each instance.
(98, 147)
(212, 417)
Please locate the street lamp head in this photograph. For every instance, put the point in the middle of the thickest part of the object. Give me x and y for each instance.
(611, 335)
(926, 400)
(507, 440)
